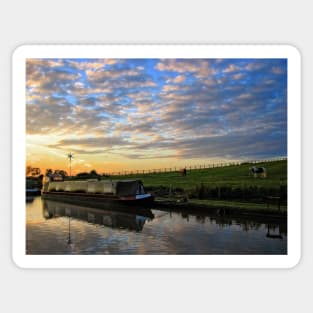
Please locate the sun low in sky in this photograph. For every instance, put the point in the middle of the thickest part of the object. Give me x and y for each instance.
(127, 114)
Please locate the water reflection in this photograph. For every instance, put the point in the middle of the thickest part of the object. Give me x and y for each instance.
(126, 219)
(60, 228)
(276, 229)
(29, 198)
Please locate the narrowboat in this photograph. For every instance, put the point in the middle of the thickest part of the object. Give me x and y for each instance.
(33, 186)
(98, 192)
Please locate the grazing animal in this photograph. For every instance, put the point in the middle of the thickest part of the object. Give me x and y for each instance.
(258, 171)
(183, 172)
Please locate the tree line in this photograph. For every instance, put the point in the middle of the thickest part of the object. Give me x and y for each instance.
(36, 172)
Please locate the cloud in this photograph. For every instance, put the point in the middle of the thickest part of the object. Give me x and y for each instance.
(47, 116)
(231, 68)
(277, 70)
(89, 145)
(238, 76)
(237, 145)
(200, 68)
(48, 75)
(255, 65)
(143, 109)
(167, 88)
(102, 75)
(178, 79)
(92, 65)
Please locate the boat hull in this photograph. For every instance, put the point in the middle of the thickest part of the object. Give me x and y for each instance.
(33, 192)
(100, 200)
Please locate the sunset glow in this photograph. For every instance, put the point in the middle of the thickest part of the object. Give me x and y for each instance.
(136, 114)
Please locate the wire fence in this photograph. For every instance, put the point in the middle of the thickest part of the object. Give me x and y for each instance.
(192, 167)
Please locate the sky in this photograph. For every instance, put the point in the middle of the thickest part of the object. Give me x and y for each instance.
(136, 114)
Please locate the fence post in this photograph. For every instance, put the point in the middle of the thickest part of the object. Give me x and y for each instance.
(195, 167)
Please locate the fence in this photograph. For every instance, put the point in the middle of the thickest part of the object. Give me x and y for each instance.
(193, 167)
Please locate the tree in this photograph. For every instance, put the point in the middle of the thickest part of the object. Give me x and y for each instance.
(49, 172)
(63, 173)
(82, 174)
(93, 173)
(60, 172)
(28, 170)
(32, 171)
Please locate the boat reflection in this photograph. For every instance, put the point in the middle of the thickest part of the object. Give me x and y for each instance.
(129, 219)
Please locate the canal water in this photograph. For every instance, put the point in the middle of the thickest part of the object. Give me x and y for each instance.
(60, 228)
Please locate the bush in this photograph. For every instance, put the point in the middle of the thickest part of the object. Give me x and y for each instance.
(245, 193)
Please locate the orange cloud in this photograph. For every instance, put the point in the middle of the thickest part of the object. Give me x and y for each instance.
(180, 66)
(178, 79)
(93, 65)
(238, 76)
(231, 68)
(277, 70)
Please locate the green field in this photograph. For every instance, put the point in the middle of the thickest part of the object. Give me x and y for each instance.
(233, 176)
(230, 187)
(233, 184)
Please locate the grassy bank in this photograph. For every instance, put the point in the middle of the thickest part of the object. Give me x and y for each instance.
(223, 208)
(234, 176)
(231, 183)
